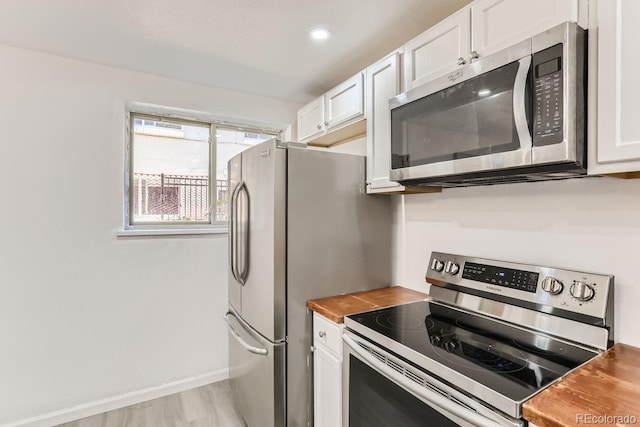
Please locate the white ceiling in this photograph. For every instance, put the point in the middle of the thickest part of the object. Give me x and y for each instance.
(258, 46)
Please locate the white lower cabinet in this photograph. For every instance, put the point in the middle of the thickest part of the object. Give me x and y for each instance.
(327, 372)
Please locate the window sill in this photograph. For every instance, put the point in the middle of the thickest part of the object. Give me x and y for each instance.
(171, 232)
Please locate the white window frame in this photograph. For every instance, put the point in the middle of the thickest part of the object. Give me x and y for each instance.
(173, 228)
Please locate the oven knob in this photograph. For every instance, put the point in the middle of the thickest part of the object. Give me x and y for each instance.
(582, 291)
(452, 268)
(450, 345)
(552, 285)
(437, 265)
(436, 340)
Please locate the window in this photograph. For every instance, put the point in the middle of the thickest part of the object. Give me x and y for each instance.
(177, 170)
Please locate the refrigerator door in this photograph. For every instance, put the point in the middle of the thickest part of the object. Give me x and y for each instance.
(235, 179)
(261, 259)
(339, 241)
(257, 375)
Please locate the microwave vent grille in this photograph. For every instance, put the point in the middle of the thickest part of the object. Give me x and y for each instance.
(454, 182)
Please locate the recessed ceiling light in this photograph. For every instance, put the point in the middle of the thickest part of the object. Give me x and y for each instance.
(319, 33)
(484, 92)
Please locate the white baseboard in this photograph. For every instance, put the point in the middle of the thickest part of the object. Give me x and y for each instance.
(103, 405)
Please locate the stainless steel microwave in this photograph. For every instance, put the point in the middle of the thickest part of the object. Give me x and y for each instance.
(516, 115)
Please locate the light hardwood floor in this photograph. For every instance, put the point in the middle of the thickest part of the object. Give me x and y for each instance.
(208, 406)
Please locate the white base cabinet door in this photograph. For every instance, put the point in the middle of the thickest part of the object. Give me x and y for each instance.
(614, 87)
(327, 372)
(327, 377)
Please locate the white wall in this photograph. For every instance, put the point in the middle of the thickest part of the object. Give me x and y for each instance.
(85, 315)
(590, 224)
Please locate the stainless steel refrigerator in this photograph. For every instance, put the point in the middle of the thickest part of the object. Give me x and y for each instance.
(301, 228)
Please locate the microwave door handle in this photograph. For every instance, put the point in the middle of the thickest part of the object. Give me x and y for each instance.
(519, 104)
(431, 396)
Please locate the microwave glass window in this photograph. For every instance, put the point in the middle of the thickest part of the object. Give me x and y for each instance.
(472, 118)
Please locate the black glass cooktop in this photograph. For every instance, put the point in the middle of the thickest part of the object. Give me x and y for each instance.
(514, 362)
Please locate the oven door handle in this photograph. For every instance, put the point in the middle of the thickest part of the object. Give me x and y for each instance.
(430, 396)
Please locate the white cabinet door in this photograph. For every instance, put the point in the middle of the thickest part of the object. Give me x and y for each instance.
(327, 388)
(327, 372)
(383, 82)
(617, 146)
(344, 102)
(311, 119)
(497, 24)
(440, 49)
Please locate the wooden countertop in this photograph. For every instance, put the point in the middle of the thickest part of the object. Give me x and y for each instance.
(335, 308)
(607, 386)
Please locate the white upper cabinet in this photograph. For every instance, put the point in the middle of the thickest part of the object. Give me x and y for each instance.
(614, 87)
(497, 24)
(311, 119)
(440, 49)
(334, 111)
(480, 29)
(383, 82)
(344, 102)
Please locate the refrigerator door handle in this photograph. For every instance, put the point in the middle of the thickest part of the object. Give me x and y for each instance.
(243, 343)
(233, 238)
(244, 273)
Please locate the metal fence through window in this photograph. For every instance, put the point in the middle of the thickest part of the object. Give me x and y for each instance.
(163, 197)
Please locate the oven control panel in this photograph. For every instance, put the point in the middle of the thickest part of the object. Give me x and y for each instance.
(584, 293)
(501, 276)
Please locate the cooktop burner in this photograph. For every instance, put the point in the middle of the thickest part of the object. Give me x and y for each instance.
(407, 322)
(508, 359)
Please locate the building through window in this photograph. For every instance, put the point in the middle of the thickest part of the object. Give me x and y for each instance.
(177, 170)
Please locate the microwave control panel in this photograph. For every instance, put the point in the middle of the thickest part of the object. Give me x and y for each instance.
(548, 96)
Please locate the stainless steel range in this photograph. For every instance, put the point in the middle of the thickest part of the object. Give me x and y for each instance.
(491, 335)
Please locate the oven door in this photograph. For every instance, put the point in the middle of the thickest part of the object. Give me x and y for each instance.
(381, 390)
(473, 120)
